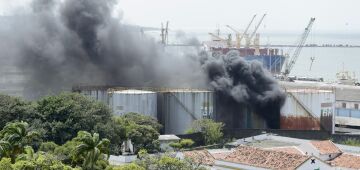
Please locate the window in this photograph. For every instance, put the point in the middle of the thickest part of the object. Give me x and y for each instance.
(356, 106)
(343, 105)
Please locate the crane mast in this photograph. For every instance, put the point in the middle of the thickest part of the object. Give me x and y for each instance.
(299, 47)
(247, 28)
(237, 35)
(254, 32)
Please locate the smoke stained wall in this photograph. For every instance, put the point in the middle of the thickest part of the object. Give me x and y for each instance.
(59, 44)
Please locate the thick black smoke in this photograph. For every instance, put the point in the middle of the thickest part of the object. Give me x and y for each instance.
(244, 84)
(64, 43)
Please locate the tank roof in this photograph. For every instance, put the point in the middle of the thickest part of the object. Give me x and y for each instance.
(132, 91)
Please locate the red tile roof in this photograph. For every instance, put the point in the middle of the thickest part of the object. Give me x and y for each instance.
(220, 155)
(200, 156)
(265, 158)
(287, 149)
(325, 147)
(347, 161)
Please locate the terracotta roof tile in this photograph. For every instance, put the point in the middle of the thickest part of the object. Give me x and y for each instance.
(220, 155)
(265, 158)
(325, 147)
(200, 156)
(287, 149)
(347, 161)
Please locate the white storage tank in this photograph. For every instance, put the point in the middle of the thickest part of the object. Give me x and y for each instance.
(99, 93)
(138, 101)
(308, 109)
(178, 108)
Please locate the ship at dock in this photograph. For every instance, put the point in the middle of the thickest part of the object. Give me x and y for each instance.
(271, 58)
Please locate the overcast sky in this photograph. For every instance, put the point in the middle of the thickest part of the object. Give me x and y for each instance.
(283, 15)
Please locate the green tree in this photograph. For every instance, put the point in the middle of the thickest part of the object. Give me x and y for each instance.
(5, 164)
(18, 136)
(131, 166)
(15, 109)
(65, 114)
(92, 149)
(141, 119)
(113, 131)
(211, 131)
(48, 147)
(186, 143)
(165, 162)
(64, 153)
(143, 137)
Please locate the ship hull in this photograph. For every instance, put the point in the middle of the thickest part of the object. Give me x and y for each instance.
(273, 63)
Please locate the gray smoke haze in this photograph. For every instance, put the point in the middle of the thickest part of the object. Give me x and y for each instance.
(65, 43)
(243, 83)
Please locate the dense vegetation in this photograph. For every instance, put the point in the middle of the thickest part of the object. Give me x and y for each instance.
(210, 130)
(68, 131)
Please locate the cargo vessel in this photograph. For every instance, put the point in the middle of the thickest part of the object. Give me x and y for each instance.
(271, 58)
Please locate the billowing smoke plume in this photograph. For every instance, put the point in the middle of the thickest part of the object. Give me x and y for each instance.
(63, 43)
(244, 84)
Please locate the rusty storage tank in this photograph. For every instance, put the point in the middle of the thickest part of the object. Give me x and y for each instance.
(178, 108)
(235, 115)
(308, 109)
(131, 100)
(99, 93)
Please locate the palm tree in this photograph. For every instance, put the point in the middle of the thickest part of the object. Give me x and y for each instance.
(91, 149)
(4, 148)
(15, 137)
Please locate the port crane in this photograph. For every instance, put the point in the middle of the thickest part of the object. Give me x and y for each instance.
(254, 32)
(228, 41)
(240, 36)
(300, 44)
(237, 35)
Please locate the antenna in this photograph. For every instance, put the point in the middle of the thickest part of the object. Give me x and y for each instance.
(312, 60)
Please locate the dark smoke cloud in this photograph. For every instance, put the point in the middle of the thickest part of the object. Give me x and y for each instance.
(245, 83)
(64, 43)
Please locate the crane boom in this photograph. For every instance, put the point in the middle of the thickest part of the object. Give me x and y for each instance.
(300, 45)
(233, 29)
(218, 37)
(256, 28)
(237, 35)
(247, 28)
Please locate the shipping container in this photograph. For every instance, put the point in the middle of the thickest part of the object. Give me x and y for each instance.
(308, 109)
(131, 100)
(178, 108)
